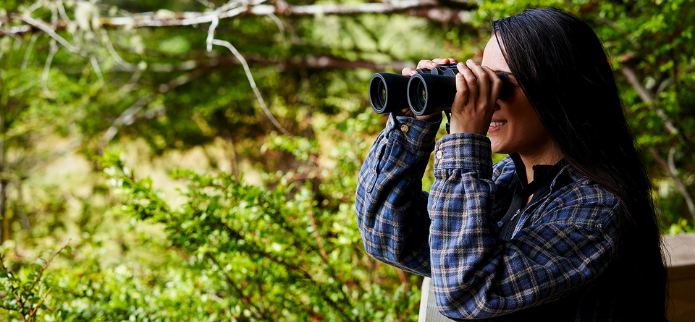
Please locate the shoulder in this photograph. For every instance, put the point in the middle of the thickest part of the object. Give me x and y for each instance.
(582, 201)
(503, 170)
(502, 175)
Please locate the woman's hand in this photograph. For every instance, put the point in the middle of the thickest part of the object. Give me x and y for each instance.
(429, 64)
(477, 90)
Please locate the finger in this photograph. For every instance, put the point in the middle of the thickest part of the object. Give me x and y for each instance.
(462, 94)
(408, 71)
(483, 82)
(441, 61)
(471, 82)
(407, 112)
(426, 64)
(453, 61)
(495, 83)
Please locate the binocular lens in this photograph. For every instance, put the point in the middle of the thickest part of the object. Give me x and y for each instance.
(384, 90)
(418, 96)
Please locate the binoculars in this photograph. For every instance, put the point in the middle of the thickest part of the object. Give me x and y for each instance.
(427, 92)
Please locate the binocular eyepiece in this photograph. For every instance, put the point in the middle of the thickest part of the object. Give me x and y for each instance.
(427, 92)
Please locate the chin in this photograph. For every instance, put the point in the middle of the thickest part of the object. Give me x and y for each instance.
(496, 147)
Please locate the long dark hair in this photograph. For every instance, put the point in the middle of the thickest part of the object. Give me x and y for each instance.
(564, 71)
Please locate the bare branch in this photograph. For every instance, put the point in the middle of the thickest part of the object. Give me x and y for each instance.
(34, 7)
(670, 169)
(277, 21)
(207, 3)
(53, 34)
(648, 98)
(318, 62)
(419, 8)
(63, 14)
(97, 70)
(27, 54)
(316, 232)
(105, 38)
(128, 116)
(672, 79)
(47, 68)
(211, 41)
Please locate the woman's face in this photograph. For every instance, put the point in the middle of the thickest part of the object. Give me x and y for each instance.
(515, 126)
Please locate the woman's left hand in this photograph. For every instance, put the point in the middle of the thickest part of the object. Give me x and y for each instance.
(477, 90)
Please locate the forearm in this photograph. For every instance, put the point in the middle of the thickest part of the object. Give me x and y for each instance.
(391, 206)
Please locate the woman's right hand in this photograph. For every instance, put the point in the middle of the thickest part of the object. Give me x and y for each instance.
(429, 64)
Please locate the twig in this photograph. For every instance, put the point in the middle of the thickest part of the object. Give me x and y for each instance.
(277, 21)
(97, 70)
(105, 38)
(670, 168)
(39, 304)
(63, 14)
(211, 41)
(47, 68)
(418, 8)
(53, 34)
(316, 233)
(48, 262)
(672, 79)
(34, 7)
(21, 305)
(27, 54)
(207, 3)
(404, 280)
(128, 116)
(236, 289)
(652, 103)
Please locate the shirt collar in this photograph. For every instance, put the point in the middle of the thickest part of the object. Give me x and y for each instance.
(542, 173)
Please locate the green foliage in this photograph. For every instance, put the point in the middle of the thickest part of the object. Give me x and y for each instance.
(264, 228)
(25, 287)
(269, 256)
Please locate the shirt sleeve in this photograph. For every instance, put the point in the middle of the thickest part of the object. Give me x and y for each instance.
(390, 205)
(476, 275)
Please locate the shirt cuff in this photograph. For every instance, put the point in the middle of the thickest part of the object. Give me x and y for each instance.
(419, 134)
(466, 151)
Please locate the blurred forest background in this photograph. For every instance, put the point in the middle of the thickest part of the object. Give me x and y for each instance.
(196, 160)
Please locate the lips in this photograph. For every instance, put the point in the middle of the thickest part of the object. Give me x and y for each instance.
(495, 126)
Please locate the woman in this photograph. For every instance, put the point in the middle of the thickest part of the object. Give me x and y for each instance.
(561, 230)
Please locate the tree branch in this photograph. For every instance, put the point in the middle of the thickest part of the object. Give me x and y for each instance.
(418, 8)
(40, 25)
(212, 41)
(652, 103)
(670, 169)
(311, 62)
(128, 116)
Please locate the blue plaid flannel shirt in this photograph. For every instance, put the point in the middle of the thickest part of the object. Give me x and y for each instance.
(562, 243)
